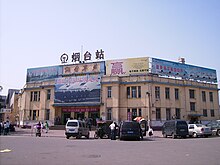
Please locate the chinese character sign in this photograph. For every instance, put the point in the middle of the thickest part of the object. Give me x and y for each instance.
(76, 57)
(95, 67)
(99, 54)
(126, 67)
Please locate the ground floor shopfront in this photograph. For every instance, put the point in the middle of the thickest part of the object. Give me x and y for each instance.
(62, 114)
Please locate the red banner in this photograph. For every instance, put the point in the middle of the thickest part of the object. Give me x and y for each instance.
(81, 109)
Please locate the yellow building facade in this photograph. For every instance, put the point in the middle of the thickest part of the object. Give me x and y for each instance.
(158, 99)
(118, 90)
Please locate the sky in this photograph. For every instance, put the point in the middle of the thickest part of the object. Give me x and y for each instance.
(36, 33)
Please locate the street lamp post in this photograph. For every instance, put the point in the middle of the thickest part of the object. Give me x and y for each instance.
(148, 112)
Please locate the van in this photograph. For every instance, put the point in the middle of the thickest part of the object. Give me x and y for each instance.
(76, 128)
(175, 128)
(130, 130)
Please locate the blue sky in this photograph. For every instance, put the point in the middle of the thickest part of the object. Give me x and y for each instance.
(37, 33)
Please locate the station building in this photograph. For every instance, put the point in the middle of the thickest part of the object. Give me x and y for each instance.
(155, 89)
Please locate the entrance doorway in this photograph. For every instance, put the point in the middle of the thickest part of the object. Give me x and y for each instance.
(65, 117)
(94, 116)
(79, 115)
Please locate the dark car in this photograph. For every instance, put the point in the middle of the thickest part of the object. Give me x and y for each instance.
(130, 130)
(215, 127)
(175, 128)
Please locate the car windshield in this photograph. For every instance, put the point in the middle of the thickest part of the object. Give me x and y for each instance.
(72, 123)
(199, 125)
(181, 123)
(131, 125)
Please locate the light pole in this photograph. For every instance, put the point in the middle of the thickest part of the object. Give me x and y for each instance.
(148, 112)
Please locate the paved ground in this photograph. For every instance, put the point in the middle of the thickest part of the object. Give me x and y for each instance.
(20, 148)
(57, 133)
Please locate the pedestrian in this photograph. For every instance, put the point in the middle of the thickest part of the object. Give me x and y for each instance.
(150, 131)
(46, 126)
(7, 126)
(113, 128)
(116, 130)
(42, 126)
(89, 124)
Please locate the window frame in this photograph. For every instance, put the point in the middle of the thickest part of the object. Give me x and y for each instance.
(167, 92)
(191, 93)
(212, 112)
(205, 113)
(134, 92)
(158, 114)
(176, 92)
(48, 94)
(178, 113)
(203, 96)
(168, 114)
(109, 114)
(157, 92)
(192, 106)
(211, 98)
(109, 91)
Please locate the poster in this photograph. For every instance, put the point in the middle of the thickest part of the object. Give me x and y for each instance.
(78, 89)
(185, 71)
(125, 67)
(43, 73)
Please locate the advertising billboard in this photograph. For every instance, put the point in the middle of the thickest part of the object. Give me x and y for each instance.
(78, 89)
(125, 67)
(95, 67)
(185, 71)
(43, 73)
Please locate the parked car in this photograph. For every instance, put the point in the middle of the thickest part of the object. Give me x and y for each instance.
(130, 130)
(76, 128)
(215, 127)
(196, 130)
(175, 128)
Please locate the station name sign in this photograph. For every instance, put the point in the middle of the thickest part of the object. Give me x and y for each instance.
(77, 57)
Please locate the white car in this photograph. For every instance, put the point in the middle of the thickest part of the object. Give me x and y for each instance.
(76, 128)
(196, 130)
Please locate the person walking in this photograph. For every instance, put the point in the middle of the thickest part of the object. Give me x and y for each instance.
(42, 126)
(113, 128)
(150, 132)
(46, 126)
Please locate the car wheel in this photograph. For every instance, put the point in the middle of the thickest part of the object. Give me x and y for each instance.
(87, 136)
(164, 135)
(194, 135)
(78, 136)
(96, 136)
(218, 132)
(67, 137)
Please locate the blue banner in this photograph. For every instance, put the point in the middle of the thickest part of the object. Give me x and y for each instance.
(175, 69)
(43, 73)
